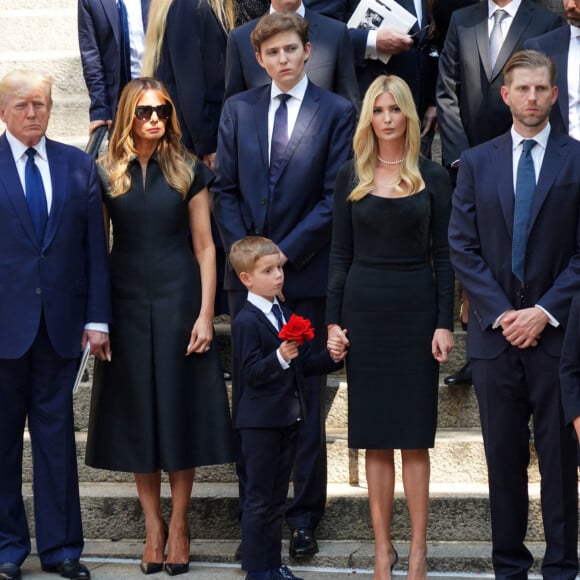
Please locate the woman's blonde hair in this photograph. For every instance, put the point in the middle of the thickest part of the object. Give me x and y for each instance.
(157, 21)
(365, 142)
(175, 162)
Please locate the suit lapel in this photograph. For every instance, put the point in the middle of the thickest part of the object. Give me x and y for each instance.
(560, 55)
(145, 13)
(482, 39)
(58, 178)
(260, 108)
(12, 188)
(112, 13)
(308, 109)
(502, 162)
(262, 318)
(554, 156)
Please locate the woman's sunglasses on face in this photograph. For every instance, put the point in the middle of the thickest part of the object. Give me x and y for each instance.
(144, 112)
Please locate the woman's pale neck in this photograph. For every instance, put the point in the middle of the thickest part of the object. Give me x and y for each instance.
(391, 151)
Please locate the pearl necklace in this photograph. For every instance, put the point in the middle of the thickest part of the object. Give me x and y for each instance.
(385, 162)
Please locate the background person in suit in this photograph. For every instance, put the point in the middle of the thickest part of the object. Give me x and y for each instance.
(110, 54)
(563, 46)
(470, 107)
(54, 297)
(330, 64)
(570, 369)
(279, 182)
(520, 279)
(267, 425)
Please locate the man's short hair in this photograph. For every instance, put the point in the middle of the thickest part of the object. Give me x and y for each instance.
(275, 23)
(529, 59)
(18, 81)
(246, 252)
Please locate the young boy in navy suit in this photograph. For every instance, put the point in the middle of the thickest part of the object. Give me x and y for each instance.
(268, 407)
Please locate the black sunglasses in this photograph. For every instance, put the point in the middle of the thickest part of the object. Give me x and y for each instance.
(144, 112)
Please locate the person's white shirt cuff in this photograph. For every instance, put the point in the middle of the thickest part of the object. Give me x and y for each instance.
(551, 320)
(98, 326)
(371, 51)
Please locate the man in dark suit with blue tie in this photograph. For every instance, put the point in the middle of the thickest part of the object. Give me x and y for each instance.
(54, 298)
(330, 64)
(514, 238)
(111, 41)
(279, 149)
(563, 46)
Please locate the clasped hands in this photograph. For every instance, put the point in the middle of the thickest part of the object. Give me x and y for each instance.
(523, 328)
(337, 342)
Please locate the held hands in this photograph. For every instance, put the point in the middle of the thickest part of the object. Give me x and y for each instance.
(100, 345)
(392, 41)
(337, 342)
(201, 336)
(523, 328)
(289, 350)
(442, 344)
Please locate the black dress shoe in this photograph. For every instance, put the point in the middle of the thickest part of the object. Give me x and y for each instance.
(287, 574)
(68, 568)
(303, 543)
(461, 377)
(10, 571)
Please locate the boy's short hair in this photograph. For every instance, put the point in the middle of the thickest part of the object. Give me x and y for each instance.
(275, 23)
(246, 252)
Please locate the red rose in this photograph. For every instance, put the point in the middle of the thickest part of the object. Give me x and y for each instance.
(297, 329)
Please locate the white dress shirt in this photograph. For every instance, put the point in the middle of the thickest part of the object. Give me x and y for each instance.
(136, 35)
(265, 306)
(293, 104)
(510, 10)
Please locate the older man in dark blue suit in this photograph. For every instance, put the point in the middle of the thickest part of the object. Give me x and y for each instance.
(279, 183)
(102, 39)
(54, 297)
(514, 239)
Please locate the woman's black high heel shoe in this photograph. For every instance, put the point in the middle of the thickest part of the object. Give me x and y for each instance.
(177, 569)
(155, 567)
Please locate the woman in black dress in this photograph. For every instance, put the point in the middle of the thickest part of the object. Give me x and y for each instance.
(391, 288)
(160, 403)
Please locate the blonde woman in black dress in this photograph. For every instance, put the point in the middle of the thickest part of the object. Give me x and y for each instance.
(391, 288)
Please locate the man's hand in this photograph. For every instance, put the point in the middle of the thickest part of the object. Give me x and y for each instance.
(100, 345)
(209, 160)
(96, 124)
(429, 120)
(393, 42)
(523, 328)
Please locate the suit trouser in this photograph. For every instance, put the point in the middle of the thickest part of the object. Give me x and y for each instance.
(306, 509)
(39, 386)
(511, 388)
(268, 456)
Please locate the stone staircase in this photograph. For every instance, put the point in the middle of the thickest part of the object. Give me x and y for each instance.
(42, 35)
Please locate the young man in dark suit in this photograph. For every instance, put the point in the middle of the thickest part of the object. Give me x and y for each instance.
(268, 403)
(330, 64)
(54, 297)
(514, 240)
(276, 178)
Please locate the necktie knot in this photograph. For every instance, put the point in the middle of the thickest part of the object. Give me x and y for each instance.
(527, 146)
(283, 98)
(31, 152)
(498, 16)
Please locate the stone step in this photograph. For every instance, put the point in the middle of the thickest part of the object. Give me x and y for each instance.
(22, 5)
(40, 28)
(458, 457)
(458, 512)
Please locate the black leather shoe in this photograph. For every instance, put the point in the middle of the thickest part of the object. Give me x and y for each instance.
(68, 569)
(461, 377)
(10, 571)
(287, 574)
(303, 543)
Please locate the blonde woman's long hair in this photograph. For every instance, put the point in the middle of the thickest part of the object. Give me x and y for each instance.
(157, 22)
(175, 161)
(365, 142)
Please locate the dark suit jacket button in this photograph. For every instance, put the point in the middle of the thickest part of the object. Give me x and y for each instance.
(257, 231)
(296, 393)
(262, 202)
(38, 291)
